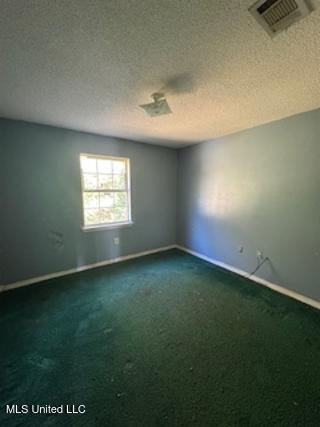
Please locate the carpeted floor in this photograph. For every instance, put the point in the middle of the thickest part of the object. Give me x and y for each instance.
(164, 340)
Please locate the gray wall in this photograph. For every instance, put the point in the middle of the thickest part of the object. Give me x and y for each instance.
(259, 189)
(41, 196)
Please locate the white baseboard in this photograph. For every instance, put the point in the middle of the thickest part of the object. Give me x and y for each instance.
(38, 279)
(273, 286)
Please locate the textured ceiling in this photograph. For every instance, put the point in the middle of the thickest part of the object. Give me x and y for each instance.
(88, 64)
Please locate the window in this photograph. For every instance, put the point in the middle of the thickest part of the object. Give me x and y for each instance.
(105, 190)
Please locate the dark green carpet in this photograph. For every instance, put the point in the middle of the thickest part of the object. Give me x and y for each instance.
(164, 340)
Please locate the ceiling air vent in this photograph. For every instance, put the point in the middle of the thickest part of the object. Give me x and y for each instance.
(276, 15)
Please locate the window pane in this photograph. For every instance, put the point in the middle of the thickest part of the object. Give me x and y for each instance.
(88, 164)
(104, 190)
(90, 200)
(120, 214)
(106, 215)
(91, 216)
(119, 167)
(90, 181)
(106, 200)
(120, 200)
(119, 182)
(104, 166)
(105, 182)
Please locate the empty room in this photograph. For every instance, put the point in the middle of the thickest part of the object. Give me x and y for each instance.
(160, 213)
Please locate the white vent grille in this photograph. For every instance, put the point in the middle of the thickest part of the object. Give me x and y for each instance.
(280, 11)
(276, 15)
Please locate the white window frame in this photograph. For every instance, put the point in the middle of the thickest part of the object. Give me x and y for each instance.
(107, 225)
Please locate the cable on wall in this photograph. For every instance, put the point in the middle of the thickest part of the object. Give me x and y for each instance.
(259, 265)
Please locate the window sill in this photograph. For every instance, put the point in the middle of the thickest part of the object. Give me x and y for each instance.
(108, 227)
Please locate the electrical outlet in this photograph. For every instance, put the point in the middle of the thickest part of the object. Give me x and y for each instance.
(259, 255)
(116, 240)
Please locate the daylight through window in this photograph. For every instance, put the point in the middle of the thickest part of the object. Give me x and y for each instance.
(105, 190)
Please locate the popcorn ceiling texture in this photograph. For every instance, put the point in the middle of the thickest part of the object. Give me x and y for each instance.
(87, 65)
